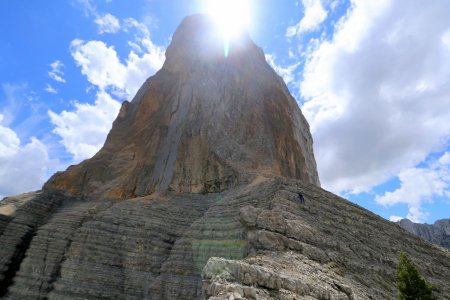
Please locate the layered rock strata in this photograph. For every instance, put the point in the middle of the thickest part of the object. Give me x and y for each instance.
(256, 241)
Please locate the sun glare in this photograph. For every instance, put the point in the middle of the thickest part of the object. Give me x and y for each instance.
(231, 16)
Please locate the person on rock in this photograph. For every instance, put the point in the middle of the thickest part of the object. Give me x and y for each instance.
(301, 197)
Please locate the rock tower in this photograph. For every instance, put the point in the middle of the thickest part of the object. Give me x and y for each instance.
(204, 123)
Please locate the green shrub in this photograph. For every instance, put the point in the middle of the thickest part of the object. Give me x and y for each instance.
(410, 284)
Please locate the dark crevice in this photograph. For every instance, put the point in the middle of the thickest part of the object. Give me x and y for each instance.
(4, 221)
(16, 260)
(39, 210)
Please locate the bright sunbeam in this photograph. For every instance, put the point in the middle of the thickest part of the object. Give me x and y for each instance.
(231, 16)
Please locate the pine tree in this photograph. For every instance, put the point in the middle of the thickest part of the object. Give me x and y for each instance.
(410, 283)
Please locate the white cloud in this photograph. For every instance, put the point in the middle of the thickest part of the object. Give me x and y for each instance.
(416, 215)
(56, 73)
(50, 89)
(84, 130)
(88, 7)
(286, 72)
(445, 159)
(107, 24)
(418, 186)
(9, 142)
(14, 103)
(377, 94)
(101, 65)
(314, 15)
(395, 218)
(23, 168)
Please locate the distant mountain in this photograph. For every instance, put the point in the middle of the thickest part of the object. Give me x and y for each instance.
(437, 233)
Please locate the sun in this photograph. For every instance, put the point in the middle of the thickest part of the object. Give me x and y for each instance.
(232, 18)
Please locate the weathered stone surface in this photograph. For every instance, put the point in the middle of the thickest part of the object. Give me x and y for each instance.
(9, 205)
(4, 221)
(327, 248)
(156, 247)
(437, 233)
(19, 232)
(204, 123)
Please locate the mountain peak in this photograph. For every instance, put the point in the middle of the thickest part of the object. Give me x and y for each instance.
(204, 123)
(198, 40)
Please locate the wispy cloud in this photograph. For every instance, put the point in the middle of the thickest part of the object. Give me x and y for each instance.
(107, 23)
(14, 103)
(50, 89)
(87, 6)
(56, 72)
(20, 106)
(287, 72)
(314, 15)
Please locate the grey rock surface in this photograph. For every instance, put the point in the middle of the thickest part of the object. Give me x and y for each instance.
(9, 205)
(256, 241)
(4, 221)
(437, 233)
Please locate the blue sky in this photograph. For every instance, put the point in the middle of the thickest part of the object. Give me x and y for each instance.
(371, 77)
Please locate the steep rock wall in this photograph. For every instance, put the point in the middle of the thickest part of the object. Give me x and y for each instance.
(204, 123)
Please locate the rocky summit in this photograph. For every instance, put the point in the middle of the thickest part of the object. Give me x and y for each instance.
(204, 123)
(196, 195)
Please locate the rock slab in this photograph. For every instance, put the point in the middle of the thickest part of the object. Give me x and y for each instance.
(254, 241)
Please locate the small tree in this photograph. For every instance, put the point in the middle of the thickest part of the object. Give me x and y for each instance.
(410, 284)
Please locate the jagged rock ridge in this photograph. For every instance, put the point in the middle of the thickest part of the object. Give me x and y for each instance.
(437, 233)
(195, 195)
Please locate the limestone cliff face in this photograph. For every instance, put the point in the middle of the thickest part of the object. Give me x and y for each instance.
(437, 233)
(203, 123)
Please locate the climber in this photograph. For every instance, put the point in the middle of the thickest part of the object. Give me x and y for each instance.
(302, 199)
